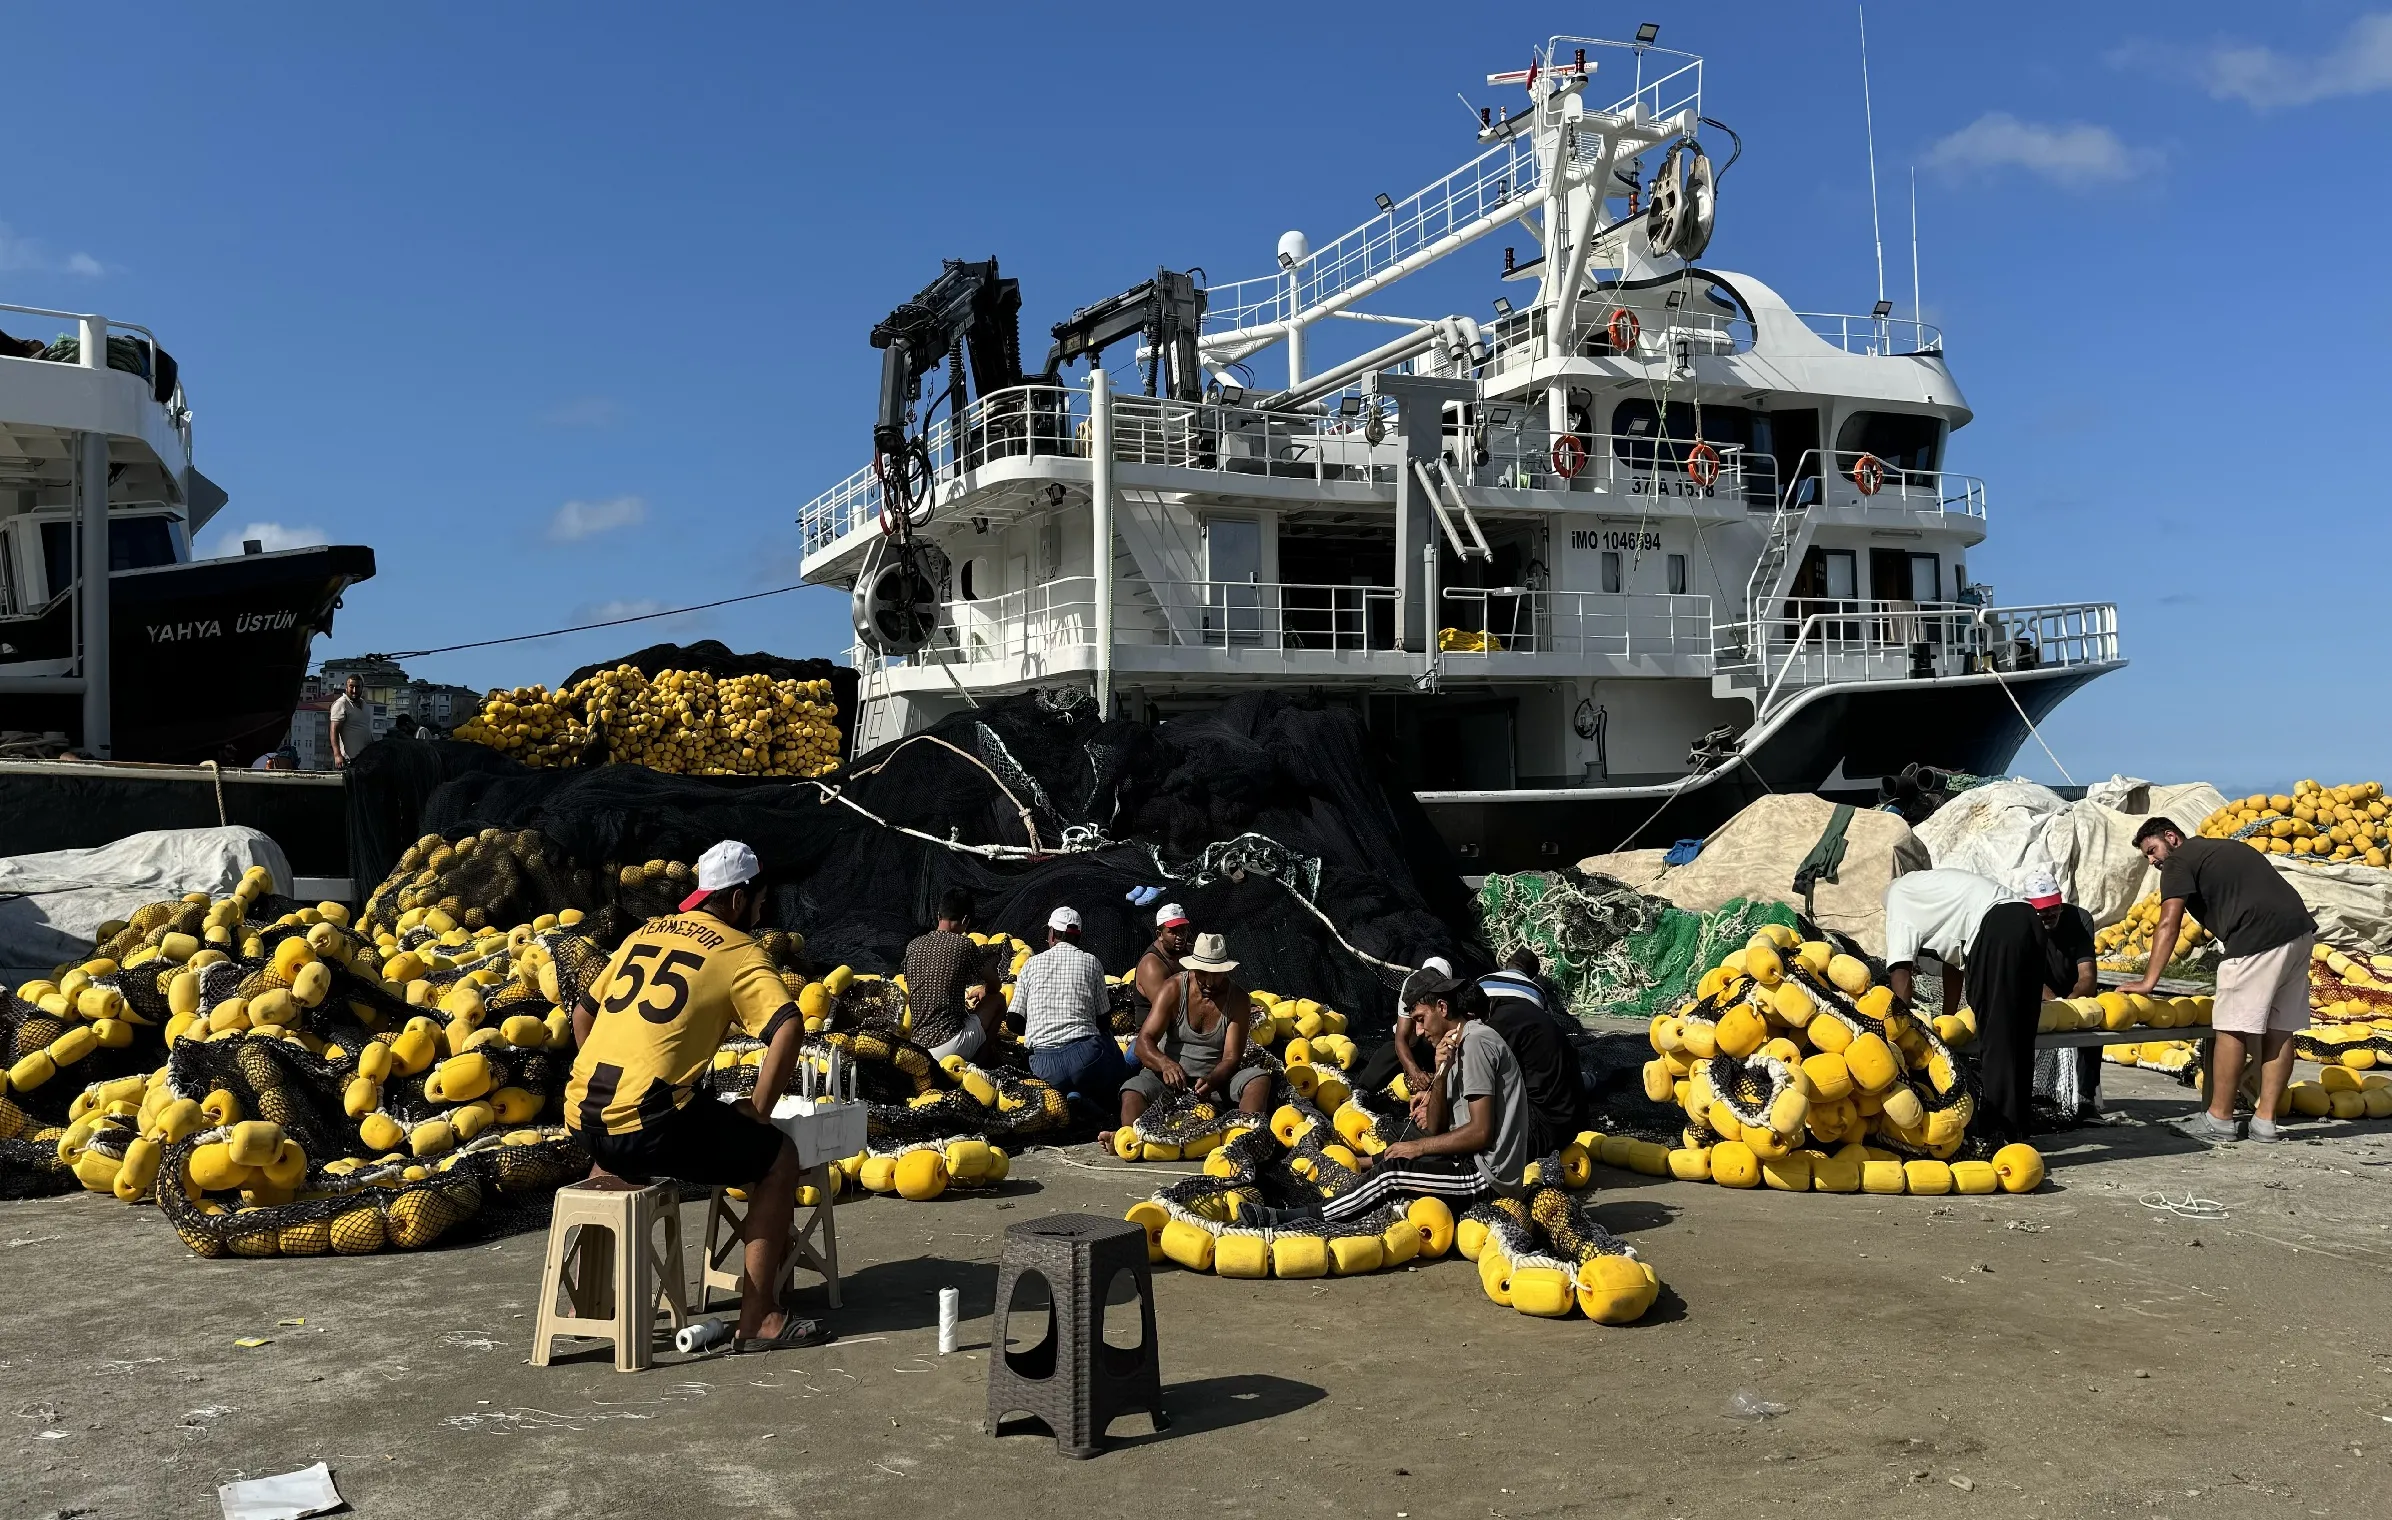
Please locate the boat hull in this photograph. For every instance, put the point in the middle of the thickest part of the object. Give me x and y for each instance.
(1836, 742)
(205, 659)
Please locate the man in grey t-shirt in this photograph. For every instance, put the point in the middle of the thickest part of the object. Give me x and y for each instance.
(1473, 1115)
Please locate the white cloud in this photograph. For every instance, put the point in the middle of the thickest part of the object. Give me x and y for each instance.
(24, 255)
(2265, 79)
(585, 412)
(577, 520)
(2075, 153)
(223, 542)
(620, 607)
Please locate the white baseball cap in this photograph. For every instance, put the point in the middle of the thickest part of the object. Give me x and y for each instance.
(727, 864)
(1170, 916)
(1062, 919)
(2043, 890)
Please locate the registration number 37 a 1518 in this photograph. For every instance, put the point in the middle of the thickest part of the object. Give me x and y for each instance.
(1657, 485)
(666, 979)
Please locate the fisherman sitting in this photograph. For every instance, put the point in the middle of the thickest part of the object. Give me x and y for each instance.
(946, 983)
(1474, 1118)
(649, 1026)
(1194, 1038)
(1065, 1004)
(1173, 932)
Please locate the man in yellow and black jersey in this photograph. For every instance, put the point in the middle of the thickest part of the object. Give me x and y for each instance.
(648, 1028)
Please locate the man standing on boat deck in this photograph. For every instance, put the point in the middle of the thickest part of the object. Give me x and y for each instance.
(2263, 983)
(352, 724)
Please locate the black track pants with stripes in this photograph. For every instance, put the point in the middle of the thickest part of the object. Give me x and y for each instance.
(1455, 1179)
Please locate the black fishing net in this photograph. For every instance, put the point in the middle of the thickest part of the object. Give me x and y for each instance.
(1272, 820)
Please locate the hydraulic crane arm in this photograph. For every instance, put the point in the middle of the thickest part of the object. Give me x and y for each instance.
(1168, 311)
(968, 309)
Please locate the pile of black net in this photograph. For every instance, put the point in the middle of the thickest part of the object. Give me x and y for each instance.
(1274, 820)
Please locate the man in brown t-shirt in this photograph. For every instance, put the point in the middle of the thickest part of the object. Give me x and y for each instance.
(946, 984)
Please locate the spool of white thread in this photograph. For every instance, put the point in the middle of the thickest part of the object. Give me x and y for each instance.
(705, 1335)
(950, 1312)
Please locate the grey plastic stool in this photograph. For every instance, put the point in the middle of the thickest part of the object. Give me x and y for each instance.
(1072, 1379)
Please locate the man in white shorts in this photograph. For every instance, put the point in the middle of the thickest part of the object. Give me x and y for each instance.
(2263, 983)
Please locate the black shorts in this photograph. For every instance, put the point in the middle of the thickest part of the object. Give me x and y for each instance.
(704, 1142)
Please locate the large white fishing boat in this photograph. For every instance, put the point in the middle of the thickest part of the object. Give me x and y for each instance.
(1598, 564)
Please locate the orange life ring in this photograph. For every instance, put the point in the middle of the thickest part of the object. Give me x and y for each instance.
(1569, 456)
(1702, 462)
(1868, 473)
(1623, 330)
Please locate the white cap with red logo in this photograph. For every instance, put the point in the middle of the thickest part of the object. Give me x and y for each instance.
(724, 865)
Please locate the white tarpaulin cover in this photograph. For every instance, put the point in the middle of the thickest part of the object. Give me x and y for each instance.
(2009, 830)
(2352, 902)
(1753, 855)
(50, 903)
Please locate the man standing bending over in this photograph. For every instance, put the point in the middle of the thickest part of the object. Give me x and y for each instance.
(2263, 983)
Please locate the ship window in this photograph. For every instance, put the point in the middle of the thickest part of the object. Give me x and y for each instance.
(1677, 575)
(58, 556)
(1926, 578)
(966, 580)
(1905, 440)
(1611, 570)
(138, 543)
(1840, 574)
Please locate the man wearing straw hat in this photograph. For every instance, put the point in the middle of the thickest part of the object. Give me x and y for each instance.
(1194, 1038)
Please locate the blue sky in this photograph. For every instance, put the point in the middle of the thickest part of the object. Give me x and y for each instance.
(563, 308)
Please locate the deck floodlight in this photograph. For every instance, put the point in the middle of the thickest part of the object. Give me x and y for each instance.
(1385, 204)
(1503, 307)
(1231, 395)
(1647, 32)
(1349, 406)
(979, 525)
(1882, 310)
(1500, 416)
(1677, 298)
(1286, 259)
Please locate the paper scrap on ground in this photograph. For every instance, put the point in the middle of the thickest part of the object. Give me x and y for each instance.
(286, 1496)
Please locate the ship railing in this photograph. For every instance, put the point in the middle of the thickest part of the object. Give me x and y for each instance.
(146, 343)
(1874, 336)
(1872, 483)
(1058, 617)
(1486, 184)
(1824, 641)
(1521, 455)
(1490, 622)
(1675, 84)
(1017, 422)
(1238, 440)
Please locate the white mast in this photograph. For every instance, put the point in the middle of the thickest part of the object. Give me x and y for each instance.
(1869, 119)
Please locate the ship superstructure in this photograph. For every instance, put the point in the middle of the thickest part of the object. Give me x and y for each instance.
(1632, 544)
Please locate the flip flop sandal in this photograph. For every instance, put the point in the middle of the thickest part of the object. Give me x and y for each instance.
(794, 1332)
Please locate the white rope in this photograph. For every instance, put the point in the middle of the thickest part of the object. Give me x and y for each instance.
(1028, 826)
(2030, 723)
(2187, 1207)
(217, 771)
